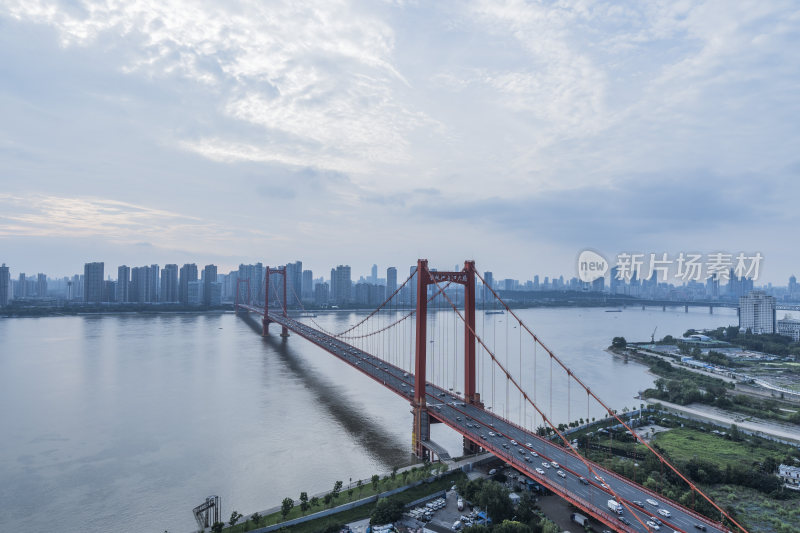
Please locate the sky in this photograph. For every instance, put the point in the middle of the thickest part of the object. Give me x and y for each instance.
(513, 133)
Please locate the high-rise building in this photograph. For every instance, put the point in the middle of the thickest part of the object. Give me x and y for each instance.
(169, 283)
(5, 285)
(123, 284)
(342, 284)
(93, 282)
(321, 294)
(142, 289)
(209, 278)
(153, 279)
(41, 285)
(488, 277)
(794, 291)
(757, 313)
(308, 286)
(294, 282)
(374, 274)
(22, 286)
(391, 281)
(188, 275)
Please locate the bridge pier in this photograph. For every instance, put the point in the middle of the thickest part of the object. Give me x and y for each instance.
(421, 431)
(664, 308)
(710, 309)
(686, 308)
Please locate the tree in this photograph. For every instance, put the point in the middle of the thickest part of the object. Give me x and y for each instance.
(217, 527)
(256, 518)
(337, 488)
(375, 480)
(314, 501)
(303, 502)
(286, 507)
(494, 498)
(394, 472)
(619, 343)
(328, 499)
(387, 510)
(235, 516)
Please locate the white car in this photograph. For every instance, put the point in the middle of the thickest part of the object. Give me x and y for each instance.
(664, 512)
(513, 442)
(561, 473)
(653, 525)
(652, 502)
(534, 454)
(546, 465)
(540, 471)
(529, 445)
(491, 433)
(555, 464)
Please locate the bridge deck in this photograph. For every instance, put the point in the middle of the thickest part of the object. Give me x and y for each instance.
(578, 485)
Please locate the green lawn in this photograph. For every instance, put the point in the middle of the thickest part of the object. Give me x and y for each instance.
(683, 444)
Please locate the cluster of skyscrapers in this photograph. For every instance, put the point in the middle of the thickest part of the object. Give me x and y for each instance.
(191, 285)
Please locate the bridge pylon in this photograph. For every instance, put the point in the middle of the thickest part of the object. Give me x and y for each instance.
(465, 277)
(266, 321)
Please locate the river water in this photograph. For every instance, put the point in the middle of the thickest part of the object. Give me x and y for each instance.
(125, 422)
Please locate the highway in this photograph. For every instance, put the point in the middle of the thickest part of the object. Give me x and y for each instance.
(577, 485)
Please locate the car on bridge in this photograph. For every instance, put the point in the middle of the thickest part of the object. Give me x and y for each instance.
(664, 512)
(546, 464)
(539, 471)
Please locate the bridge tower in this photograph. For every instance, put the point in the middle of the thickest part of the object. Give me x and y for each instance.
(265, 322)
(422, 420)
(237, 302)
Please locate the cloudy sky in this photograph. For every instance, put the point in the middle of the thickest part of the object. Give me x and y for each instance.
(515, 133)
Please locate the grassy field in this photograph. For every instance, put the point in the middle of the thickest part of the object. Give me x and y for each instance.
(683, 444)
(760, 513)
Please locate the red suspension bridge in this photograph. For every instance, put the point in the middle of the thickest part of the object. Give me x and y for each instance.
(499, 406)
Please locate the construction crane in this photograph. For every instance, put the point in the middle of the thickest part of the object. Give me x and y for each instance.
(653, 336)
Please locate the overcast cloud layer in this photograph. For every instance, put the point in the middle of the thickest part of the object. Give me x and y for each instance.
(514, 133)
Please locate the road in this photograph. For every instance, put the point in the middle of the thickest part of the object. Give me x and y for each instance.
(494, 434)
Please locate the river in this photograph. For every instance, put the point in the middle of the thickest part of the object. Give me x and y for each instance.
(125, 422)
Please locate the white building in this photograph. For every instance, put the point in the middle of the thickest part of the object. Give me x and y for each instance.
(790, 475)
(789, 327)
(757, 313)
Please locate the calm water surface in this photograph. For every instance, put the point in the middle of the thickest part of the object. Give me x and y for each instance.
(124, 423)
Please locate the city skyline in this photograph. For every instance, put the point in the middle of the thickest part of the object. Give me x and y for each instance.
(509, 133)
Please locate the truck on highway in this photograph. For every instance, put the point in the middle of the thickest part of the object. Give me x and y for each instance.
(615, 506)
(579, 519)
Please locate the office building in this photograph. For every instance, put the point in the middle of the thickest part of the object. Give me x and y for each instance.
(194, 292)
(93, 282)
(188, 274)
(757, 313)
(789, 327)
(123, 284)
(153, 279)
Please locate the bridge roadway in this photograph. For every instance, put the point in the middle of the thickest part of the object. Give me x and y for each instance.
(531, 452)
